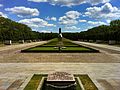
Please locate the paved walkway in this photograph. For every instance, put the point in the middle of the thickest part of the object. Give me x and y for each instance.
(101, 73)
(105, 75)
(19, 46)
(110, 47)
(11, 54)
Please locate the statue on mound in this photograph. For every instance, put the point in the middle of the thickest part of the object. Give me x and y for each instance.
(60, 35)
(60, 42)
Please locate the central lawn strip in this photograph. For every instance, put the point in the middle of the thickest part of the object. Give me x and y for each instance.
(76, 49)
(52, 42)
(68, 45)
(43, 49)
(55, 41)
(79, 49)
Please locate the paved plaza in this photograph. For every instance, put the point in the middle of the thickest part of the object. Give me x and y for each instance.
(16, 67)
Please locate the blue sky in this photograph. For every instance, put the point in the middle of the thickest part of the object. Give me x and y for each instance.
(70, 15)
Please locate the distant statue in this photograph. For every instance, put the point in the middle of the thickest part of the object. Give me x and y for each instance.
(60, 43)
(60, 35)
(59, 30)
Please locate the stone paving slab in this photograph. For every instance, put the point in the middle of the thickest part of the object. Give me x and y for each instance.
(115, 83)
(5, 83)
(15, 85)
(105, 84)
(110, 84)
(96, 71)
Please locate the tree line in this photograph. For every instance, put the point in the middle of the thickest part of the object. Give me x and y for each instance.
(103, 32)
(11, 30)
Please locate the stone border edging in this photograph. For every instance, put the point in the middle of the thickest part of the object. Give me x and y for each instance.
(96, 83)
(80, 83)
(41, 83)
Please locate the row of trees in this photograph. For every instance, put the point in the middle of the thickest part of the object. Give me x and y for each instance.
(11, 30)
(103, 32)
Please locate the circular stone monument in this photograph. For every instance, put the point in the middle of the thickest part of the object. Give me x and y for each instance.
(60, 81)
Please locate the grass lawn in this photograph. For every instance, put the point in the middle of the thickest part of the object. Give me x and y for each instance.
(43, 48)
(34, 82)
(40, 49)
(87, 82)
(52, 42)
(76, 49)
(66, 42)
(50, 47)
(54, 49)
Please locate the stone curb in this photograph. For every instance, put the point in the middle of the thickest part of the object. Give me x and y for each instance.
(80, 83)
(96, 83)
(41, 83)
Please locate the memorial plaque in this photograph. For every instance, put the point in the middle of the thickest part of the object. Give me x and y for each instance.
(60, 81)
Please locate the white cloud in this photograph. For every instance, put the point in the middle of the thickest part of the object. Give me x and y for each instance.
(107, 11)
(82, 20)
(95, 2)
(1, 5)
(23, 11)
(108, 21)
(62, 2)
(38, 0)
(52, 18)
(96, 23)
(45, 31)
(66, 21)
(72, 28)
(73, 14)
(71, 2)
(70, 18)
(3, 15)
(36, 23)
